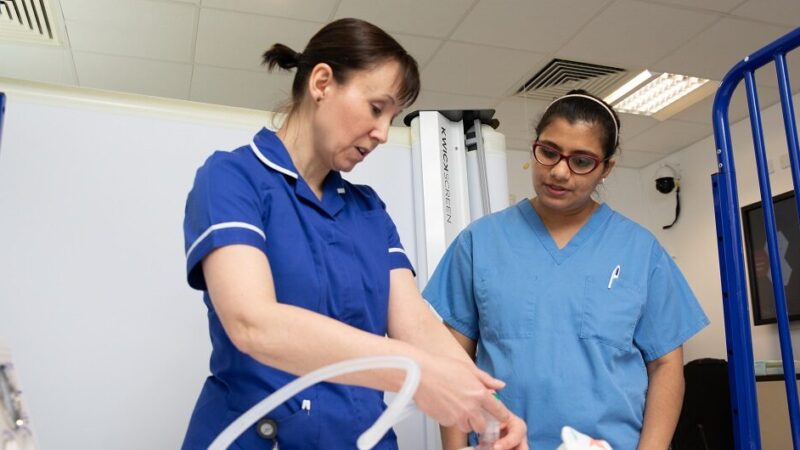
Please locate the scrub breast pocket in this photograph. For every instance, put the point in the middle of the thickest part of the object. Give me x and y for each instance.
(505, 301)
(610, 314)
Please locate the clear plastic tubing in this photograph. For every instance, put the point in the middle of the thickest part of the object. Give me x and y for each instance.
(395, 412)
(492, 433)
(489, 436)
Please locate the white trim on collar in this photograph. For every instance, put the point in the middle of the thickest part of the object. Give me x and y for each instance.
(269, 163)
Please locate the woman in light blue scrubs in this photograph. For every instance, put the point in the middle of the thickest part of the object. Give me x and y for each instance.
(576, 307)
(301, 269)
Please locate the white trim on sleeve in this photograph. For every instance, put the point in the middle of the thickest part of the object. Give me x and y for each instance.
(221, 226)
(397, 250)
(269, 163)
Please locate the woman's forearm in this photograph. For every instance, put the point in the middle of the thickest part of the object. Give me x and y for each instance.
(287, 337)
(664, 401)
(411, 319)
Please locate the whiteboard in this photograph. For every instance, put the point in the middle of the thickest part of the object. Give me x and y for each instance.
(110, 344)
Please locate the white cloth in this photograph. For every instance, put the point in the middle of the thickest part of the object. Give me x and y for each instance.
(574, 440)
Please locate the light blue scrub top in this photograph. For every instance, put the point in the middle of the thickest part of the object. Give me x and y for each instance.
(571, 349)
(332, 257)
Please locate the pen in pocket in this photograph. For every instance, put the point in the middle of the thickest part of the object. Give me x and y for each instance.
(614, 276)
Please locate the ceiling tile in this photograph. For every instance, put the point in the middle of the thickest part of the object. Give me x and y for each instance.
(478, 70)
(632, 125)
(237, 40)
(37, 63)
(136, 75)
(633, 34)
(422, 49)
(701, 111)
(767, 75)
(541, 26)
(518, 117)
(421, 17)
(246, 89)
(710, 5)
(317, 11)
(668, 136)
(147, 29)
(781, 12)
(712, 53)
(636, 160)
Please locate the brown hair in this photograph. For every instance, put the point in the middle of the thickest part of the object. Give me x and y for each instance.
(347, 45)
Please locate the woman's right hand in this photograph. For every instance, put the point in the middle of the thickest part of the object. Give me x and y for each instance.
(454, 392)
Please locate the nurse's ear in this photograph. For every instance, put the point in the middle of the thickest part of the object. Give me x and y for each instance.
(320, 81)
(609, 165)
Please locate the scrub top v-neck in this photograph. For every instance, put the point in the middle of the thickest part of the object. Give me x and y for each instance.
(569, 330)
(331, 256)
(559, 255)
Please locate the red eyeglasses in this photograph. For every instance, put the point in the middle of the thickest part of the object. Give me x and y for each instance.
(579, 164)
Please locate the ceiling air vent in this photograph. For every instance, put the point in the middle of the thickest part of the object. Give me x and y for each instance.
(27, 21)
(560, 76)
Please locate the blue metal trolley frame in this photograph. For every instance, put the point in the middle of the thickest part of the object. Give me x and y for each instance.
(2, 114)
(726, 209)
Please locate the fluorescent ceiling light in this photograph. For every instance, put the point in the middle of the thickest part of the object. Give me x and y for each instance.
(659, 93)
(629, 86)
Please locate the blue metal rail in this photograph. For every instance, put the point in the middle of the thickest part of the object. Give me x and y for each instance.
(726, 208)
(2, 113)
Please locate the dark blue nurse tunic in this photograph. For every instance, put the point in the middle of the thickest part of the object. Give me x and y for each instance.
(331, 256)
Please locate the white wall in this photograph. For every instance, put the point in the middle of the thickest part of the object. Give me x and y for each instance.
(519, 174)
(692, 241)
(622, 191)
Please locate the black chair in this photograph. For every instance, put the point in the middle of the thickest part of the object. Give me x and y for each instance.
(705, 422)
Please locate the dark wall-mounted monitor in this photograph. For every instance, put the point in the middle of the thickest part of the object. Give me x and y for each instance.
(761, 292)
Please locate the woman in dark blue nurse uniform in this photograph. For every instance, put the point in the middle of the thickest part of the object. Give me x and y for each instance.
(301, 269)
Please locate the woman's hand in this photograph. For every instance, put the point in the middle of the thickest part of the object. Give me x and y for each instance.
(513, 435)
(454, 392)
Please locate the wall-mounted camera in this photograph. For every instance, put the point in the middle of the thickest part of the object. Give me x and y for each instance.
(665, 179)
(668, 180)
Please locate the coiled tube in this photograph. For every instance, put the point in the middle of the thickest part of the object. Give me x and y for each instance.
(394, 413)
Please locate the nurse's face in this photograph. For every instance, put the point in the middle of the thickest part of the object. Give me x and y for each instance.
(354, 117)
(558, 189)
